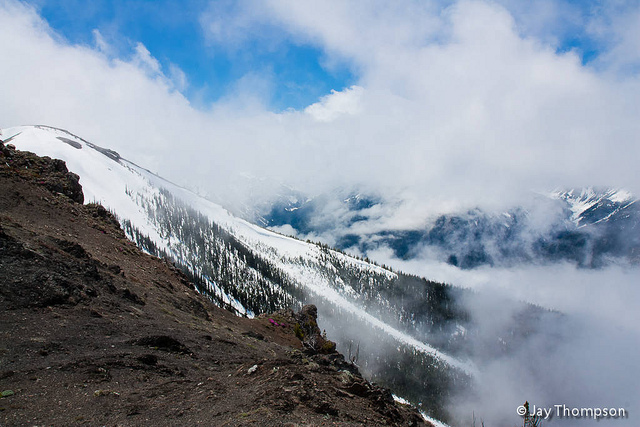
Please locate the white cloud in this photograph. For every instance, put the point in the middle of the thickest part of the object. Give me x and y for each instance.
(178, 77)
(622, 32)
(481, 113)
(142, 59)
(101, 43)
(232, 23)
(337, 104)
(285, 229)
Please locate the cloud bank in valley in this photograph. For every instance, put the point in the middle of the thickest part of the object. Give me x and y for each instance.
(584, 359)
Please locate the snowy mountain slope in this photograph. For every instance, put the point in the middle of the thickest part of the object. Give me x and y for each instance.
(121, 186)
(254, 270)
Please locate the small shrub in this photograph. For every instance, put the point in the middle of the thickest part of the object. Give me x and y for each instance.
(328, 347)
(297, 329)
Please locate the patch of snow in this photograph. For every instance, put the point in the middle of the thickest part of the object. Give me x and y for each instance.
(433, 421)
(400, 400)
(427, 418)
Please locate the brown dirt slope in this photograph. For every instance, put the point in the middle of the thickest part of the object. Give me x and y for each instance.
(94, 332)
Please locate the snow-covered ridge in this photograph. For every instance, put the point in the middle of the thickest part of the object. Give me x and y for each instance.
(122, 186)
(107, 180)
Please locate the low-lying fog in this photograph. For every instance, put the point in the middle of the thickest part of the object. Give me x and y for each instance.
(590, 361)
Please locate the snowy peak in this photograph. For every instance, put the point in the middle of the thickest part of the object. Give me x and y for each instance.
(62, 135)
(591, 206)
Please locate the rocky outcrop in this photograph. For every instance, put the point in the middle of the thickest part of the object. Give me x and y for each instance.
(50, 173)
(304, 325)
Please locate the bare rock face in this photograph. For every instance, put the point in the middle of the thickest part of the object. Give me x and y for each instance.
(32, 279)
(309, 311)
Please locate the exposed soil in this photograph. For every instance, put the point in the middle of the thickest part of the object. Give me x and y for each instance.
(95, 332)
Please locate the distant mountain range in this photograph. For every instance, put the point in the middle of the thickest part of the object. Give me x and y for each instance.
(589, 227)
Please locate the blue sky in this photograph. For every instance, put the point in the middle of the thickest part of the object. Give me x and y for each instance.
(172, 31)
(294, 71)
